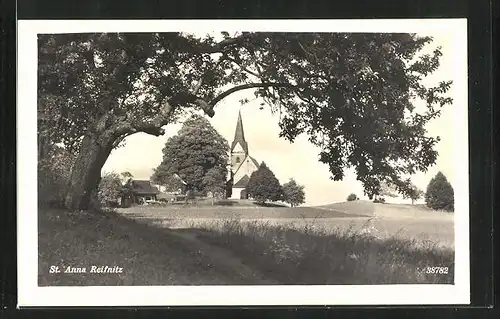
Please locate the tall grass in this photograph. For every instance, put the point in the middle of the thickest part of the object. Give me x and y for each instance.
(308, 253)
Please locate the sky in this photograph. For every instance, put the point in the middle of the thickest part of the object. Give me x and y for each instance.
(299, 160)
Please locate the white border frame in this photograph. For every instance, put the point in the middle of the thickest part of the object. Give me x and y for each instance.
(29, 294)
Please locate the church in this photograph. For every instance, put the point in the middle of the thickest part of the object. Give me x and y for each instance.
(241, 164)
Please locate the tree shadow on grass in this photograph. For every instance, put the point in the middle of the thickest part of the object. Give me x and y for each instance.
(225, 202)
(269, 204)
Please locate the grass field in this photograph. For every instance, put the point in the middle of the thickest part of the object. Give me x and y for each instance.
(248, 244)
(148, 255)
(405, 222)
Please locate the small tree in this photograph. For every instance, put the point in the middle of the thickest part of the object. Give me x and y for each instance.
(215, 182)
(263, 185)
(110, 189)
(125, 176)
(352, 197)
(414, 194)
(439, 194)
(293, 193)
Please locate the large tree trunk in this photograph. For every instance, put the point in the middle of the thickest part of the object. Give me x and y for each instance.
(86, 173)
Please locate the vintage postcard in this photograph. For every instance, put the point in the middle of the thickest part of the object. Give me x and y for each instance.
(242, 162)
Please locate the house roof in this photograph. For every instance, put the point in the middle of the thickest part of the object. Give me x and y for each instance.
(243, 182)
(143, 187)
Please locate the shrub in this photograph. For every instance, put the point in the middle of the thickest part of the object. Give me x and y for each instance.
(440, 194)
(110, 190)
(380, 200)
(352, 197)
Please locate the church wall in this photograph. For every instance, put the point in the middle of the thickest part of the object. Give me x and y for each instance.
(237, 156)
(236, 192)
(247, 168)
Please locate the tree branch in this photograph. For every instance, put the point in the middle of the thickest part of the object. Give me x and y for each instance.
(245, 87)
(219, 47)
(128, 126)
(243, 68)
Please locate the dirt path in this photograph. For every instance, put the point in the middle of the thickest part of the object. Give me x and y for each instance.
(222, 258)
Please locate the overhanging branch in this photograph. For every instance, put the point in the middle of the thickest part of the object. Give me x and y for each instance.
(245, 87)
(220, 46)
(129, 125)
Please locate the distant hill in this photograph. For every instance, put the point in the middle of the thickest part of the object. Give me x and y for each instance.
(409, 211)
(357, 207)
(368, 208)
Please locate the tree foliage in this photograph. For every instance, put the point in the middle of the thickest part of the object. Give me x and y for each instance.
(352, 93)
(293, 193)
(172, 183)
(214, 181)
(110, 189)
(192, 153)
(352, 197)
(264, 186)
(440, 194)
(387, 190)
(54, 168)
(125, 176)
(414, 194)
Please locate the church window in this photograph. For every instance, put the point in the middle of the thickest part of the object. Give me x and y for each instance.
(237, 160)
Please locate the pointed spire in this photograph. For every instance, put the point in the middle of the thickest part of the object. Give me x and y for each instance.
(239, 135)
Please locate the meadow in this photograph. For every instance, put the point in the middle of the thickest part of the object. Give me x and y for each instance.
(200, 244)
(347, 243)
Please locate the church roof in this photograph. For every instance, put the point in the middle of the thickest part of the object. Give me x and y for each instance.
(254, 161)
(243, 182)
(239, 135)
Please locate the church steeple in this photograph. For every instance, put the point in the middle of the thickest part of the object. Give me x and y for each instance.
(241, 164)
(239, 136)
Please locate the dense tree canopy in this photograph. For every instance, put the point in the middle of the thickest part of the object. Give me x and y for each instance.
(264, 186)
(54, 168)
(439, 194)
(192, 153)
(352, 93)
(214, 181)
(293, 193)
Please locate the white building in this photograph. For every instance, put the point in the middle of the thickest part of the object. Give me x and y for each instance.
(242, 165)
